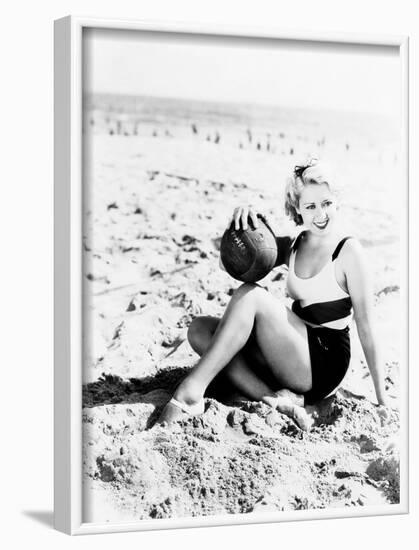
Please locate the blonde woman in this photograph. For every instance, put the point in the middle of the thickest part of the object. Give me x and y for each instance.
(290, 358)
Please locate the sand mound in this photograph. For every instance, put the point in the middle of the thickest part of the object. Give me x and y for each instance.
(238, 459)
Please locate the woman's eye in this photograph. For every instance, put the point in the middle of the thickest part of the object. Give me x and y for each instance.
(328, 203)
(310, 207)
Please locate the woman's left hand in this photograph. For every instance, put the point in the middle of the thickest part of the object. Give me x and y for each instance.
(384, 409)
(384, 413)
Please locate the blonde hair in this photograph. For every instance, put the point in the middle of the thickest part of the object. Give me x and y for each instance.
(314, 172)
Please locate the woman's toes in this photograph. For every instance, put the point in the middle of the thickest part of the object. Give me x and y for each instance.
(295, 398)
(169, 414)
(302, 418)
(179, 410)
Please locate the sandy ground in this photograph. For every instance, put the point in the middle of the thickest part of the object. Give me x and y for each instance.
(156, 205)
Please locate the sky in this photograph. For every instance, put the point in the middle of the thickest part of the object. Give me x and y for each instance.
(287, 73)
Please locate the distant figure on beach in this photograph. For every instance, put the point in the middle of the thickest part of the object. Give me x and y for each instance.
(290, 358)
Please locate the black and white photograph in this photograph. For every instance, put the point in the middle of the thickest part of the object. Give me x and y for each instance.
(244, 261)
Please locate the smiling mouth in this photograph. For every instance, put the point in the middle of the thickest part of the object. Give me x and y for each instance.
(321, 225)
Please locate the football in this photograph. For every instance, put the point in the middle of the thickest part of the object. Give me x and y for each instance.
(249, 255)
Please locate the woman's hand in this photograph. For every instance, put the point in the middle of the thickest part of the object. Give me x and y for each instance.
(384, 401)
(384, 409)
(384, 413)
(241, 217)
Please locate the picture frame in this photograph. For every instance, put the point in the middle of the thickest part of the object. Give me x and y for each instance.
(68, 265)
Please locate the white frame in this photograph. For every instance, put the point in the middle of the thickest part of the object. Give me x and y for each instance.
(68, 269)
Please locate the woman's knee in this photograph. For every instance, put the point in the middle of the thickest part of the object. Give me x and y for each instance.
(246, 288)
(250, 292)
(259, 299)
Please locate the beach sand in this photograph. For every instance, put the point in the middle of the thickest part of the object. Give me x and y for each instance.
(161, 179)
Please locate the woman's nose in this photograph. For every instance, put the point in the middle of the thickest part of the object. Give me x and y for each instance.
(321, 210)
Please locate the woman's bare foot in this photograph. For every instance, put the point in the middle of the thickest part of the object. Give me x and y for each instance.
(187, 401)
(176, 410)
(295, 398)
(302, 418)
(292, 405)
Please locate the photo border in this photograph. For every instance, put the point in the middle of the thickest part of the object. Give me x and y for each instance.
(68, 288)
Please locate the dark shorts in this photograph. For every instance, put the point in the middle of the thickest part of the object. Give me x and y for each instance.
(330, 353)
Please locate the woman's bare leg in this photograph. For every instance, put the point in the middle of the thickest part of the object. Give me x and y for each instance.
(238, 370)
(280, 335)
(245, 378)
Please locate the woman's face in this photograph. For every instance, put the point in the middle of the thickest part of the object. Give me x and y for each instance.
(318, 208)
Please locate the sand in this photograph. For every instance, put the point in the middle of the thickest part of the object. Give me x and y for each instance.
(158, 197)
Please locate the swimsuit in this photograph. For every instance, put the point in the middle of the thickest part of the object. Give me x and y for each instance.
(326, 310)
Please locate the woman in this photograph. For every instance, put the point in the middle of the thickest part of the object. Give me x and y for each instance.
(290, 358)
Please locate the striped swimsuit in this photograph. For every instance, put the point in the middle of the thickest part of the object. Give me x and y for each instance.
(326, 310)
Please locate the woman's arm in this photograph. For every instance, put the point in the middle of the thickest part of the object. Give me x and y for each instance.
(360, 289)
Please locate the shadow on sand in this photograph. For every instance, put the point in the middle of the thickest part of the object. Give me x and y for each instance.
(111, 390)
